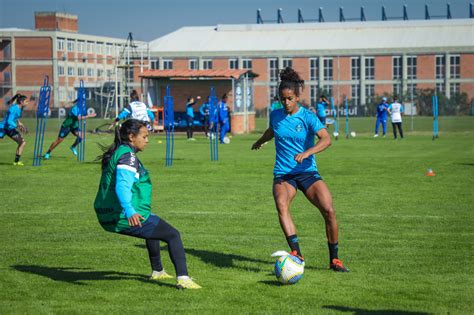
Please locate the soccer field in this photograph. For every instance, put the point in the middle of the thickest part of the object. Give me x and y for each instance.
(407, 238)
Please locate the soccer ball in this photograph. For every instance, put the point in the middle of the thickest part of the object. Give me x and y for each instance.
(335, 134)
(353, 134)
(226, 140)
(289, 269)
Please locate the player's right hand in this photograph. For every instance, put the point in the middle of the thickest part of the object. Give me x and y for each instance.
(257, 146)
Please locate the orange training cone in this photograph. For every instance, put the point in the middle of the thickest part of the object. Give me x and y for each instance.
(430, 173)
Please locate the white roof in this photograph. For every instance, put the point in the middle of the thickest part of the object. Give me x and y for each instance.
(415, 35)
(14, 29)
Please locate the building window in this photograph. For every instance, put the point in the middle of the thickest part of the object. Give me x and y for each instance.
(207, 64)
(62, 95)
(108, 48)
(411, 89)
(90, 47)
(193, 64)
(109, 73)
(313, 95)
(328, 69)
(440, 67)
(273, 69)
(287, 63)
(100, 48)
(273, 93)
(370, 68)
(328, 89)
(233, 64)
(355, 69)
(313, 69)
(81, 46)
(60, 43)
(155, 64)
(70, 45)
(80, 71)
(355, 94)
(411, 67)
(440, 88)
(70, 71)
(247, 63)
(71, 95)
(90, 72)
(118, 49)
(454, 88)
(397, 89)
(167, 64)
(454, 67)
(60, 70)
(369, 92)
(100, 73)
(397, 68)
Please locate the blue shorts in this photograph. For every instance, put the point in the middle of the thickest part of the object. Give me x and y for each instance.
(300, 181)
(322, 120)
(66, 130)
(146, 229)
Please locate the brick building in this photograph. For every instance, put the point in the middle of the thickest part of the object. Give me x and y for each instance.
(358, 60)
(55, 48)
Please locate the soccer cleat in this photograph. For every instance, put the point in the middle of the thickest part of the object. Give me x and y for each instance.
(160, 275)
(74, 150)
(47, 156)
(375, 136)
(337, 266)
(19, 163)
(186, 283)
(295, 253)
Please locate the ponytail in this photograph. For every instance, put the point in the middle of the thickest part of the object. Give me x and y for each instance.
(134, 96)
(131, 126)
(18, 98)
(290, 79)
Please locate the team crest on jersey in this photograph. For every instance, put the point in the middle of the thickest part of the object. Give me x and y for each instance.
(299, 128)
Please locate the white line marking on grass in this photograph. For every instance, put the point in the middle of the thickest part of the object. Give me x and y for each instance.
(396, 216)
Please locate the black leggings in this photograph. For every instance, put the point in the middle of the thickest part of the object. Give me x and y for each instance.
(189, 130)
(400, 130)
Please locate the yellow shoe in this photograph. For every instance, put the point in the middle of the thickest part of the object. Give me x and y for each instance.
(19, 163)
(160, 275)
(186, 282)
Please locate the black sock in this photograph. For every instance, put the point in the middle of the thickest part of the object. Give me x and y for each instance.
(17, 158)
(293, 243)
(49, 152)
(333, 248)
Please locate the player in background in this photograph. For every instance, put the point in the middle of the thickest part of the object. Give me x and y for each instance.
(204, 110)
(136, 110)
(321, 109)
(382, 110)
(294, 129)
(396, 110)
(223, 113)
(11, 125)
(191, 101)
(70, 124)
(275, 104)
(123, 202)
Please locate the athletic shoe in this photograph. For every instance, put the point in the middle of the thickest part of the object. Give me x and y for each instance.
(186, 282)
(47, 156)
(337, 266)
(74, 150)
(375, 136)
(160, 275)
(295, 253)
(19, 163)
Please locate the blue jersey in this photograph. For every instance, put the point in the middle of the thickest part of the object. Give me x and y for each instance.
(11, 117)
(321, 111)
(294, 134)
(204, 109)
(382, 110)
(223, 112)
(190, 110)
(276, 105)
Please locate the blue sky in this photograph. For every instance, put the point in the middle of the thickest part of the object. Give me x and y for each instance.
(150, 19)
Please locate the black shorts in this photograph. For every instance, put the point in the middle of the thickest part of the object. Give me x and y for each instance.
(66, 130)
(300, 181)
(13, 134)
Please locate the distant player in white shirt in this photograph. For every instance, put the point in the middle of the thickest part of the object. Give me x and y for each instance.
(396, 110)
(136, 110)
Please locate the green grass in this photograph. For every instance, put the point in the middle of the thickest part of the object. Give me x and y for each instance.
(407, 238)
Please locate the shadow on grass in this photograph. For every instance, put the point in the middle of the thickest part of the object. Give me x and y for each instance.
(78, 275)
(274, 283)
(222, 260)
(361, 311)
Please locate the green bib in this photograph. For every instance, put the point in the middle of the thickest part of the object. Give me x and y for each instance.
(71, 121)
(106, 204)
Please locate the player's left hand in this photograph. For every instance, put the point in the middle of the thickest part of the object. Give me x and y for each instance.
(134, 220)
(22, 128)
(301, 156)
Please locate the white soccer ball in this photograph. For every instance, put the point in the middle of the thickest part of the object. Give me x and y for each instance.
(289, 269)
(353, 134)
(335, 134)
(226, 140)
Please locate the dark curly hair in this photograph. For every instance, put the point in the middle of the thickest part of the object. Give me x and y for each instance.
(290, 79)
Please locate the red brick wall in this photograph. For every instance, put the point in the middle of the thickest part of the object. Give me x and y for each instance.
(238, 123)
(425, 65)
(467, 66)
(34, 48)
(33, 75)
(53, 22)
(220, 63)
(260, 96)
(344, 68)
(380, 89)
(180, 64)
(260, 67)
(383, 68)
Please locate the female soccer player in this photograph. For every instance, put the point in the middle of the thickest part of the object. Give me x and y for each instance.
(70, 124)
(11, 125)
(321, 109)
(294, 129)
(136, 110)
(123, 202)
